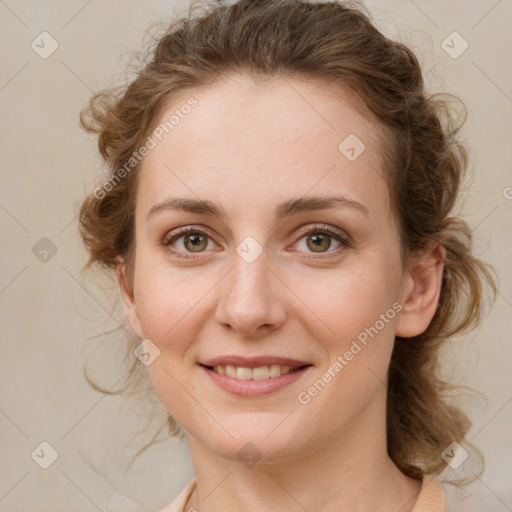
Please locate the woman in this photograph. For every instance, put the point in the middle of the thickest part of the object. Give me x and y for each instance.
(279, 214)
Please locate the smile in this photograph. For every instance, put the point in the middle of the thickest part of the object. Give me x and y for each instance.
(259, 373)
(250, 382)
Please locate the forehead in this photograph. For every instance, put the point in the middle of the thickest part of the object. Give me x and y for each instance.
(283, 136)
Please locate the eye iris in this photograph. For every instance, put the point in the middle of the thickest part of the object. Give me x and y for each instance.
(320, 242)
(195, 242)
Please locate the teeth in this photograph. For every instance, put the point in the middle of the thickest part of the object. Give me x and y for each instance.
(260, 373)
(243, 373)
(230, 371)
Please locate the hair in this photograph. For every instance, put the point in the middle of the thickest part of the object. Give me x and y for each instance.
(423, 159)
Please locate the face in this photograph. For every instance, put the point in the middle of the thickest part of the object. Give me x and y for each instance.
(259, 237)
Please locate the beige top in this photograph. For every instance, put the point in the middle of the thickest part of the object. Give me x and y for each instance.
(430, 498)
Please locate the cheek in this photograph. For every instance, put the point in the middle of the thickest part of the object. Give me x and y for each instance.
(342, 303)
(168, 302)
(172, 309)
(351, 315)
(359, 311)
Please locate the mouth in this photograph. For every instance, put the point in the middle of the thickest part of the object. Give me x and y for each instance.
(246, 381)
(258, 373)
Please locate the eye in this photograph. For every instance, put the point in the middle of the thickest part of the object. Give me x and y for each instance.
(188, 240)
(322, 239)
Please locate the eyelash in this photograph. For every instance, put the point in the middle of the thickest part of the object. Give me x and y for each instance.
(315, 230)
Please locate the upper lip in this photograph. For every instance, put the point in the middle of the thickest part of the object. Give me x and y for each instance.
(252, 362)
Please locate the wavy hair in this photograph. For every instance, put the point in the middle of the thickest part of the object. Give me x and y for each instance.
(424, 164)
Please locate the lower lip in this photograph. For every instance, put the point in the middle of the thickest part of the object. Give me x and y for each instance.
(253, 387)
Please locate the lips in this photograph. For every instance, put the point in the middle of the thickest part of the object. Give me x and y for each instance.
(252, 387)
(254, 376)
(253, 362)
(258, 373)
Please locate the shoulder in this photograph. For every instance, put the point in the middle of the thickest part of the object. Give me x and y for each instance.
(434, 495)
(431, 497)
(179, 502)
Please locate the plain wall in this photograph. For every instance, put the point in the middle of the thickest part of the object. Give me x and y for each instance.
(48, 309)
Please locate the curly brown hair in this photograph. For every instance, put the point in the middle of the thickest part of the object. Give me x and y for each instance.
(425, 163)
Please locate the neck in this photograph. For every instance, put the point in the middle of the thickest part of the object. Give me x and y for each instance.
(348, 471)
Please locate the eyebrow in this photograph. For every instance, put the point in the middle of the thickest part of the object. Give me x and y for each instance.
(288, 208)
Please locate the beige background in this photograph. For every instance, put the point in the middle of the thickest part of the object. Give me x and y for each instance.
(48, 309)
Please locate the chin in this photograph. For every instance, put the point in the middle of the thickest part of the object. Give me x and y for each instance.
(258, 442)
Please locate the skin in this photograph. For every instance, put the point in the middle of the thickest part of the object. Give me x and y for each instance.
(249, 147)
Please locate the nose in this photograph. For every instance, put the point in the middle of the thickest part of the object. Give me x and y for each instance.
(252, 300)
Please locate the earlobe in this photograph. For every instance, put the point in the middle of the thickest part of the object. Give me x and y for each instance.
(422, 290)
(127, 297)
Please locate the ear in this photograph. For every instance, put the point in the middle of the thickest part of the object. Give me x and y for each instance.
(422, 288)
(127, 297)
